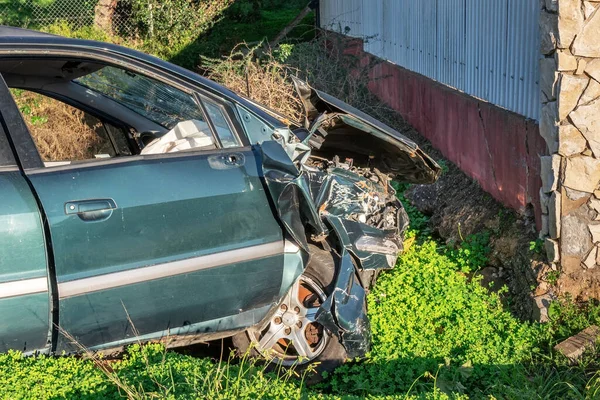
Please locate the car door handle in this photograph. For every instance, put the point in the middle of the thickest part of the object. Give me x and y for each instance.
(91, 210)
(234, 159)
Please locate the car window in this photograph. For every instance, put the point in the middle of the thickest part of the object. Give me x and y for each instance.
(63, 133)
(222, 123)
(155, 100)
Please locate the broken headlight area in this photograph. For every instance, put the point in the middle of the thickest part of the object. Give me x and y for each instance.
(362, 207)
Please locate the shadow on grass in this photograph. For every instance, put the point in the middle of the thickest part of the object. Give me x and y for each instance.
(227, 33)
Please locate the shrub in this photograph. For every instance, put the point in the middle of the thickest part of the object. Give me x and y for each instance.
(169, 25)
(162, 28)
(264, 76)
(472, 253)
(266, 81)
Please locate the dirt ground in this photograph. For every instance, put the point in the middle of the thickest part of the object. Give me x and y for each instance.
(458, 207)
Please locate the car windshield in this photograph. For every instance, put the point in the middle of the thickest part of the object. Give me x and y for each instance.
(159, 102)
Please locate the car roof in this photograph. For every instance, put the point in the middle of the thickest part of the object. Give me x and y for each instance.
(11, 31)
(12, 37)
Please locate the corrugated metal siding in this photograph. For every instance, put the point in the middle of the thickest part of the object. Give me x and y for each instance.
(486, 48)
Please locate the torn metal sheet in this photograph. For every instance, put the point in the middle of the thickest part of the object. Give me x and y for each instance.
(317, 198)
(344, 312)
(362, 208)
(290, 190)
(336, 128)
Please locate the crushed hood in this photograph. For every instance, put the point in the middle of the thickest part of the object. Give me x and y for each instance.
(337, 128)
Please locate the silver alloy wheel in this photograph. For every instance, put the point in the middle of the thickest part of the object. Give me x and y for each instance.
(292, 336)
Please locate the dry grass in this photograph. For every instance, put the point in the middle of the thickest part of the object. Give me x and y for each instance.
(266, 80)
(60, 131)
(264, 76)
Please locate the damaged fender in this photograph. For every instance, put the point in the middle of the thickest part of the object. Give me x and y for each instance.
(344, 312)
(335, 201)
(290, 190)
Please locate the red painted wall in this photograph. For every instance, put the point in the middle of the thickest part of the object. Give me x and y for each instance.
(498, 148)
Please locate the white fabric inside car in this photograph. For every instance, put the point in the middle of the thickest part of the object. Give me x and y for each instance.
(185, 135)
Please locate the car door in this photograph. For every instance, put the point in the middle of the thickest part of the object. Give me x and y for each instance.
(24, 294)
(150, 245)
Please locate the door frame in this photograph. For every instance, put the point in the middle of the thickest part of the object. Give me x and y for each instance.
(31, 163)
(12, 121)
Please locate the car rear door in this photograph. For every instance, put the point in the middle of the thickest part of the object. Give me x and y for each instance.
(24, 294)
(157, 244)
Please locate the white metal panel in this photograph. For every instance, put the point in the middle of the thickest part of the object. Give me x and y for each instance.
(372, 26)
(342, 16)
(486, 48)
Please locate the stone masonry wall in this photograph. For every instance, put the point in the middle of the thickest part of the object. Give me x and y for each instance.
(570, 124)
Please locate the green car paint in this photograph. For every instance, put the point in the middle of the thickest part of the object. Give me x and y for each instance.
(164, 304)
(25, 319)
(25, 323)
(168, 209)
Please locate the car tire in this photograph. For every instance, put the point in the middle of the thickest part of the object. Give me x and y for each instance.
(320, 271)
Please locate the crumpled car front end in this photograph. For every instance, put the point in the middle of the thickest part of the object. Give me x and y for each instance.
(330, 179)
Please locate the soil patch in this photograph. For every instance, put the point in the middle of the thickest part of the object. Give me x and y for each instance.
(458, 207)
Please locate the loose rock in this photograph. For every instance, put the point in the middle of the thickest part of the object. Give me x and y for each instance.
(552, 250)
(540, 307)
(570, 140)
(592, 92)
(548, 77)
(548, 27)
(549, 125)
(590, 260)
(593, 69)
(571, 89)
(554, 215)
(576, 240)
(595, 231)
(566, 61)
(570, 22)
(587, 119)
(575, 346)
(549, 168)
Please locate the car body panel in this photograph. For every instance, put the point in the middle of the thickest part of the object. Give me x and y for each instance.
(23, 268)
(148, 308)
(344, 312)
(167, 210)
(25, 323)
(355, 134)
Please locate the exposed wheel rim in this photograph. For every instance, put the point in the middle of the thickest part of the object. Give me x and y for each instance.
(292, 336)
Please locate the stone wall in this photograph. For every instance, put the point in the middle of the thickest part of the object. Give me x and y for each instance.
(570, 124)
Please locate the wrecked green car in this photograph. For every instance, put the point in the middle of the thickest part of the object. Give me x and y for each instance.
(194, 215)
